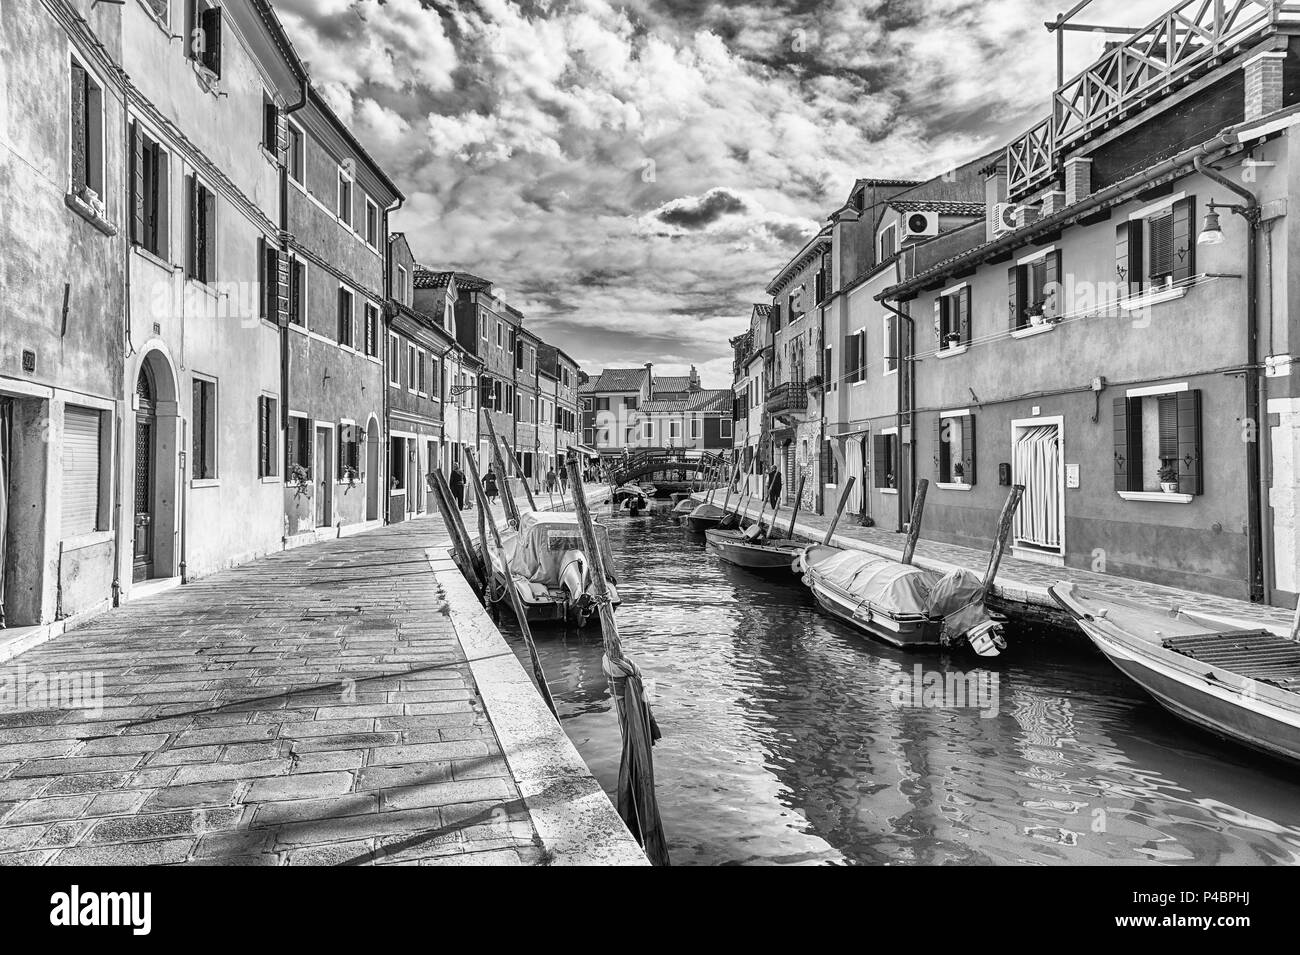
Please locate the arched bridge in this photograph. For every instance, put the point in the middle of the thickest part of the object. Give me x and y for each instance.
(668, 461)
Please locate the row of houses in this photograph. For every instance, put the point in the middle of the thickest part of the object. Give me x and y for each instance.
(212, 344)
(1099, 311)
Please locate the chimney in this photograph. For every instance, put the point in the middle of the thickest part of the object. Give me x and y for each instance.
(995, 191)
(649, 380)
(1053, 202)
(1078, 179)
(695, 379)
(1264, 84)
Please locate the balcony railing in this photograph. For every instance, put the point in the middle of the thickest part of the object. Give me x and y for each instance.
(787, 396)
(1143, 66)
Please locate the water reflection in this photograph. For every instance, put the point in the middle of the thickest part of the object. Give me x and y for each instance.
(783, 743)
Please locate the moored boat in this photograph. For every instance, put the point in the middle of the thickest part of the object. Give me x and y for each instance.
(704, 516)
(756, 553)
(548, 569)
(1241, 684)
(630, 498)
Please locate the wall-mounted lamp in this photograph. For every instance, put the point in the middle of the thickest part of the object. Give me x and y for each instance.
(1212, 232)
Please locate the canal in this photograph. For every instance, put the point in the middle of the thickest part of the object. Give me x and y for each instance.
(787, 739)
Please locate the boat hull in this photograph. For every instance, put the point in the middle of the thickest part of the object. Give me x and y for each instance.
(904, 632)
(734, 549)
(704, 517)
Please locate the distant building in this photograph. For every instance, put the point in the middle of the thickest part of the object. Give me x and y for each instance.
(631, 409)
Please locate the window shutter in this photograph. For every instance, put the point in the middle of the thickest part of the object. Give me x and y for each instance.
(879, 464)
(1052, 283)
(295, 291)
(968, 447)
(137, 184)
(1127, 441)
(282, 289)
(1123, 271)
(938, 448)
(80, 466)
(938, 320)
(209, 236)
(1015, 296)
(1183, 244)
(211, 24)
(963, 319)
(78, 126)
(1167, 406)
(1190, 478)
(195, 242)
(261, 435)
(197, 430)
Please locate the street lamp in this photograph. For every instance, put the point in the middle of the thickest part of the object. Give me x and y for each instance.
(1212, 232)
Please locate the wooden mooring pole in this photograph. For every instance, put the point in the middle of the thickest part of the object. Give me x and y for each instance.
(914, 522)
(503, 477)
(636, 774)
(456, 527)
(520, 613)
(844, 499)
(1004, 530)
(798, 502)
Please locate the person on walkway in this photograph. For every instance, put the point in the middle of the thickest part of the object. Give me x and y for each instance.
(564, 479)
(773, 486)
(457, 483)
(550, 481)
(490, 485)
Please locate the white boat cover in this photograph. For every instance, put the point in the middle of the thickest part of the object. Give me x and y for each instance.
(884, 583)
(537, 549)
(956, 589)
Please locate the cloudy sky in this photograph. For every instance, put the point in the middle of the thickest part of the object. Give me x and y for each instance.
(631, 174)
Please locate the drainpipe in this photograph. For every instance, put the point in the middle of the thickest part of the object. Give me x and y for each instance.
(284, 325)
(1256, 493)
(898, 415)
(381, 453)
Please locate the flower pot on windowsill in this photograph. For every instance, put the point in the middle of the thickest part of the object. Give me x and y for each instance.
(952, 341)
(1168, 477)
(1169, 487)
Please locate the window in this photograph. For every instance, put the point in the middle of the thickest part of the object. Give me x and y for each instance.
(397, 463)
(203, 428)
(883, 456)
(674, 432)
(87, 148)
(372, 223)
(345, 197)
(267, 428)
(435, 378)
(1157, 436)
(346, 317)
(412, 376)
(648, 430)
(954, 448)
(1031, 291)
(796, 301)
(697, 425)
(296, 158)
(889, 344)
(82, 471)
(270, 127)
(483, 327)
(298, 443)
(952, 317)
(203, 27)
(855, 356)
(724, 429)
(201, 262)
(269, 259)
(422, 379)
(830, 467)
(588, 436)
(349, 451)
(887, 242)
(372, 330)
(602, 404)
(1158, 250)
(394, 360)
(828, 368)
(297, 291)
(499, 336)
(401, 286)
(148, 193)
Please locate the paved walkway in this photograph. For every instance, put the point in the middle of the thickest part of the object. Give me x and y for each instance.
(313, 707)
(1021, 584)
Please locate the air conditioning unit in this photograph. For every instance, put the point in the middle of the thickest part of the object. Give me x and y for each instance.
(920, 225)
(1006, 218)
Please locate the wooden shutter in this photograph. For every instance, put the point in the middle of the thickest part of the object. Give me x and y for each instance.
(1129, 269)
(80, 466)
(938, 449)
(192, 240)
(938, 321)
(879, 460)
(1015, 296)
(1052, 283)
(198, 428)
(79, 126)
(211, 25)
(282, 288)
(1190, 477)
(137, 183)
(1183, 243)
(963, 315)
(262, 450)
(1127, 442)
(209, 235)
(968, 447)
(1167, 408)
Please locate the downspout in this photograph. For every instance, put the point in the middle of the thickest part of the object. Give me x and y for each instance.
(284, 323)
(382, 452)
(1255, 473)
(898, 415)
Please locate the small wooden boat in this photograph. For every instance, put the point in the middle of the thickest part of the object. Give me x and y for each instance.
(704, 516)
(683, 504)
(548, 569)
(1241, 684)
(630, 498)
(760, 553)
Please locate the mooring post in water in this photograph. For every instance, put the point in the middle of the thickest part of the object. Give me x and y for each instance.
(636, 774)
(727, 500)
(798, 502)
(520, 613)
(503, 477)
(839, 509)
(451, 517)
(1000, 542)
(914, 522)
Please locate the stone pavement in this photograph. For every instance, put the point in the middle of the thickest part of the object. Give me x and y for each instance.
(1021, 584)
(313, 707)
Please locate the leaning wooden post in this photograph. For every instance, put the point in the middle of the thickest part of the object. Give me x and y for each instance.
(798, 502)
(844, 499)
(523, 479)
(451, 518)
(458, 524)
(1004, 529)
(636, 774)
(1295, 623)
(520, 613)
(507, 499)
(914, 522)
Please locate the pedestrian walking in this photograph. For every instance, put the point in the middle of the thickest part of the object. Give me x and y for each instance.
(457, 483)
(490, 486)
(564, 480)
(773, 486)
(550, 481)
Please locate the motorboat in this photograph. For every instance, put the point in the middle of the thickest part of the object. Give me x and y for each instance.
(1242, 684)
(548, 568)
(631, 498)
(755, 551)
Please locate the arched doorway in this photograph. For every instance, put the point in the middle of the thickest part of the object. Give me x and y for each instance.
(146, 444)
(373, 484)
(154, 458)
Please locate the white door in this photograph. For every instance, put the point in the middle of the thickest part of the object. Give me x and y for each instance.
(1036, 463)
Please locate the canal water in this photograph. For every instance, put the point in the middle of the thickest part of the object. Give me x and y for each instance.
(790, 738)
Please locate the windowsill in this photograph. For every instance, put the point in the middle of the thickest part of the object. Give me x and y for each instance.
(202, 286)
(952, 350)
(1153, 297)
(1157, 497)
(89, 539)
(205, 482)
(83, 209)
(158, 21)
(153, 258)
(854, 384)
(298, 327)
(887, 490)
(1030, 331)
(952, 486)
(397, 492)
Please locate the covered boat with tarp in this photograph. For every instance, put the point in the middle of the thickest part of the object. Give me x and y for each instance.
(901, 604)
(549, 570)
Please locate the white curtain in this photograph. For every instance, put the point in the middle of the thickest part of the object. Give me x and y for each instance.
(853, 467)
(1035, 464)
